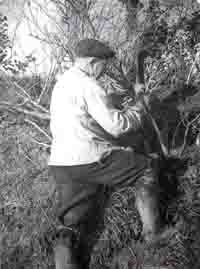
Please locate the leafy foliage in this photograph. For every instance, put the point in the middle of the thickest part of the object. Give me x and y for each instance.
(7, 61)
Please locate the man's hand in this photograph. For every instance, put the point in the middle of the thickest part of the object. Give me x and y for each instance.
(116, 99)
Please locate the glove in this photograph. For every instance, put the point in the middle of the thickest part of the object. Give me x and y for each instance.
(116, 99)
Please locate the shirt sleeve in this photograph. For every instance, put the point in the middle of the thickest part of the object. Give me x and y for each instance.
(113, 120)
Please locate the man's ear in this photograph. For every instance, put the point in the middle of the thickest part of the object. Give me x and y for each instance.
(93, 61)
(89, 65)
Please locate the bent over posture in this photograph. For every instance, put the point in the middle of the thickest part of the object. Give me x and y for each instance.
(85, 154)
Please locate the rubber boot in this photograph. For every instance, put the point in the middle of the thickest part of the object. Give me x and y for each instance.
(64, 254)
(64, 258)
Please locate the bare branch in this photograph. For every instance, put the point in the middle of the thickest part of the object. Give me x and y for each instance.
(140, 79)
(40, 143)
(84, 14)
(13, 108)
(194, 64)
(29, 99)
(45, 88)
(186, 134)
(39, 129)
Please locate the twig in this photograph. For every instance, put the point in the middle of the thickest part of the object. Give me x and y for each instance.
(29, 158)
(40, 143)
(186, 134)
(38, 128)
(175, 132)
(29, 99)
(21, 89)
(140, 79)
(85, 15)
(48, 80)
(164, 149)
(11, 108)
(192, 68)
(62, 31)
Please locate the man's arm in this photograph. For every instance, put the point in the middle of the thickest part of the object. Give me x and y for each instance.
(113, 120)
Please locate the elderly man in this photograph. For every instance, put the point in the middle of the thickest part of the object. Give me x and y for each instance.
(85, 126)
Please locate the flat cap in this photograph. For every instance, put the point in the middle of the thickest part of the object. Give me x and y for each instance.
(93, 48)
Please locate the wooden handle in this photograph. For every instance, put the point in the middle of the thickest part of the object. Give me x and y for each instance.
(140, 57)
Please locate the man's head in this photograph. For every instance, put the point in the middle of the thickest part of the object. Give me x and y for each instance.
(93, 55)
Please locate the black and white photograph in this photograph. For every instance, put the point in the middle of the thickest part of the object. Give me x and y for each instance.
(99, 134)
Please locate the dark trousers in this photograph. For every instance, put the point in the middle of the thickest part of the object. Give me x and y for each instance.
(78, 185)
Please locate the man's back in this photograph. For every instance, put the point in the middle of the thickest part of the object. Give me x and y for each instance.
(77, 137)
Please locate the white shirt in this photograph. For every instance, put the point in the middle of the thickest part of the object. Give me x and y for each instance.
(84, 124)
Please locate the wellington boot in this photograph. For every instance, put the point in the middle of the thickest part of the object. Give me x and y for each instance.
(64, 257)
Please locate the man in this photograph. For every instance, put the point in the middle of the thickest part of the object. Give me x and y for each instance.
(85, 126)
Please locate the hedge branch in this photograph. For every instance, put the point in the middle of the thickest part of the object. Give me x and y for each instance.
(186, 134)
(39, 129)
(13, 108)
(40, 143)
(29, 99)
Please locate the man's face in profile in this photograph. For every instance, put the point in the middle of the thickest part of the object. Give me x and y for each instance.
(99, 67)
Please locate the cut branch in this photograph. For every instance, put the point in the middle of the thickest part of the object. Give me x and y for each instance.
(186, 134)
(13, 108)
(39, 129)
